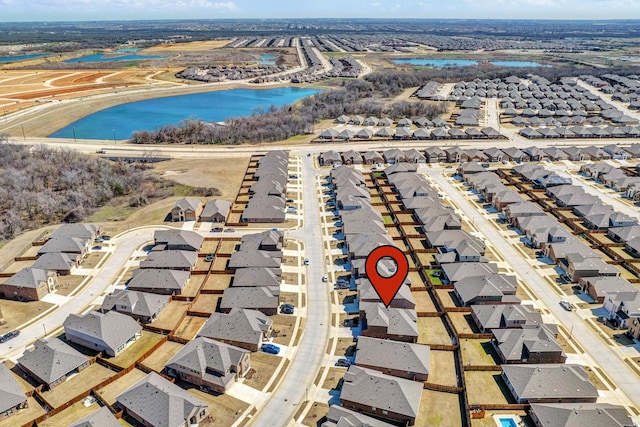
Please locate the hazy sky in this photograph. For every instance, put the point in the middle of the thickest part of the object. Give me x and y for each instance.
(55, 10)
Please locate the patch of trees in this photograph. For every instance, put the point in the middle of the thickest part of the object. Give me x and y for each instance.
(39, 185)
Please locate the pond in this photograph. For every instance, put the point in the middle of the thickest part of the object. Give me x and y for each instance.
(102, 57)
(4, 59)
(152, 114)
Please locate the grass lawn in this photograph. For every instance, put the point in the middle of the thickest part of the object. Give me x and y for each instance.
(463, 323)
(345, 347)
(486, 387)
(439, 409)
(171, 314)
(113, 390)
(318, 411)
(190, 326)
(228, 246)
(443, 368)
(224, 410)
(447, 297)
(265, 365)
(24, 416)
(162, 355)
(283, 326)
(386, 219)
(431, 330)
(75, 412)
(17, 313)
(333, 377)
(434, 280)
(206, 303)
(132, 353)
(68, 284)
(92, 259)
(218, 282)
(77, 384)
(477, 352)
(424, 304)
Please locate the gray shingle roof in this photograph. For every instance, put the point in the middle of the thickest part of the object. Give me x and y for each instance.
(179, 238)
(390, 354)
(239, 325)
(343, 417)
(581, 415)
(11, 393)
(100, 418)
(170, 259)
(28, 278)
(158, 279)
(397, 321)
(268, 259)
(111, 329)
(159, 402)
(516, 344)
(258, 298)
(136, 303)
(56, 261)
(257, 276)
(63, 244)
(50, 360)
(217, 206)
(374, 389)
(187, 203)
(82, 231)
(550, 381)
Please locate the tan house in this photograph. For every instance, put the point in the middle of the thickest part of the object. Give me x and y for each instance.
(29, 284)
(634, 328)
(186, 209)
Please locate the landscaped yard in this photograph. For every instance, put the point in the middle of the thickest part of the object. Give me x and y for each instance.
(68, 284)
(435, 280)
(439, 409)
(131, 354)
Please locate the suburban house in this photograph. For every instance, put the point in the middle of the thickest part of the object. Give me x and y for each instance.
(216, 211)
(177, 240)
(400, 359)
(621, 306)
(86, 232)
(142, 306)
(489, 289)
(50, 362)
(262, 298)
(109, 332)
(579, 266)
(186, 209)
(12, 397)
(265, 209)
(597, 286)
(397, 324)
(343, 417)
(552, 383)
(255, 259)
(579, 414)
(383, 396)
(257, 276)
(29, 284)
(165, 282)
(402, 299)
(156, 402)
(67, 245)
(170, 260)
(62, 263)
(208, 363)
(456, 271)
(270, 240)
(528, 344)
(240, 327)
(504, 316)
(102, 418)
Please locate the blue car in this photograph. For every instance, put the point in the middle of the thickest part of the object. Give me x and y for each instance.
(270, 348)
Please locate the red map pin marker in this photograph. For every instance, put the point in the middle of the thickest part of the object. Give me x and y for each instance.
(387, 287)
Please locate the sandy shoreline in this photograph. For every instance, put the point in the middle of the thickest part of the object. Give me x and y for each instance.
(42, 120)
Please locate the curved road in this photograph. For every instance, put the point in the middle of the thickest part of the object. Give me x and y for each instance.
(108, 274)
(291, 393)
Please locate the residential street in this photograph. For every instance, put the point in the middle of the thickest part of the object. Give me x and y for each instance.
(603, 354)
(292, 391)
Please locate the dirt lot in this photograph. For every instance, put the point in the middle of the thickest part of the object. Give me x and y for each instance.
(206, 303)
(193, 285)
(264, 365)
(218, 282)
(439, 409)
(187, 47)
(223, 174)
(345, 345)
(16, 313)
(424, 304)
(111, 391)
(162, 355)
(79, 383)
(132, 353)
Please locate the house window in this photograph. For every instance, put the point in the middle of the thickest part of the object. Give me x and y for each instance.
(385, 412)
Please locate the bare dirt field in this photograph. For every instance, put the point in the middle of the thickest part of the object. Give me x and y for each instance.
(187, 47)
(223, 174)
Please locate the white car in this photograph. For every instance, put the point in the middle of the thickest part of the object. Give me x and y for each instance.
(325, 278)
(566, 305)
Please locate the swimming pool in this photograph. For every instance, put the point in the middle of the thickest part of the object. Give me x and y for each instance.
(507, 422)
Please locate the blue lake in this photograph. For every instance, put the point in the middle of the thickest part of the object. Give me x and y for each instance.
(267, 59)
(154, 113)
(101, 57)
(423, 62)
(4, 59)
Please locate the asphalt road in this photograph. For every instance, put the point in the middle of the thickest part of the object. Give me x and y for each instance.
(127, 244)
(603, 354)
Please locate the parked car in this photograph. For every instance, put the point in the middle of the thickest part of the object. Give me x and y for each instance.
(99, 240)
(208, 258)
(289, 200)
(293, 176)
(286, 309)
(286, 304)
(229, 230)
(566, 305)
(9, 335)
(216, 229)
(103, 151)
(96, 248)
(338, 224)
(105, 237)
(270, 348)
(306, 261)
(343, 362)
(325, 278)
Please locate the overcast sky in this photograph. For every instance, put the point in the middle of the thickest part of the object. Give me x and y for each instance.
(72, 10)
